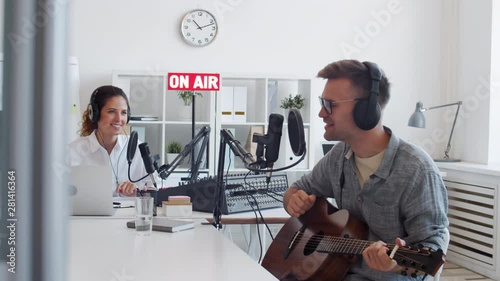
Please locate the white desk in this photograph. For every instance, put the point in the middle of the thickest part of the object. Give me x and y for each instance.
(105, 249)
(245, 236)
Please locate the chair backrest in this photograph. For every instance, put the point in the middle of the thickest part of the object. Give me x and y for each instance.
(445, 249)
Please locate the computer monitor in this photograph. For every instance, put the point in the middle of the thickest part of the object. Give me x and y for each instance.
(327, 145)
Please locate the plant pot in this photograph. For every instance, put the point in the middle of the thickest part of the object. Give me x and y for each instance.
(286, 112)
(185, 113)
(171, 157)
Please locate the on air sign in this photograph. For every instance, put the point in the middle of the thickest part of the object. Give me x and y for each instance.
(194, 81)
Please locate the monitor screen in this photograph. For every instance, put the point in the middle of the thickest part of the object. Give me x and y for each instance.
(327, 145)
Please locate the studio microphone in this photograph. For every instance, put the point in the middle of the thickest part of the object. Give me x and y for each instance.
(132, 146)
(148, 161)
(274, 130)
(296, 132)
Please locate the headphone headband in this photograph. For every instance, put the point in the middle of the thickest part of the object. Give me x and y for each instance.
(93, 108)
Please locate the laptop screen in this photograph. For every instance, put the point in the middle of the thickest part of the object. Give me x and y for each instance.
(327, 145)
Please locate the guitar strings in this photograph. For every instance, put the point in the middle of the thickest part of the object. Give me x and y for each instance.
(343, 244)
(349, 248)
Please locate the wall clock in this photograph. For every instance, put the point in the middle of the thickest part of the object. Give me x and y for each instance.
(199, 27)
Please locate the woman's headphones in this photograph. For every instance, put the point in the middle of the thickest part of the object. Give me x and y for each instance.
(93, 108)
(367, 111)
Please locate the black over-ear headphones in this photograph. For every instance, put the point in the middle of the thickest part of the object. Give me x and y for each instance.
(367, 111)
(93, 108)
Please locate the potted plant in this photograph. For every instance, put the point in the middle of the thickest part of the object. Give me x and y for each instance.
(185, 112)
(187, 96)
(290, 102)
(173, 148)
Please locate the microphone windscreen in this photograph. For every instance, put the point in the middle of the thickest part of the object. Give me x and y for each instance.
(146, 158)
(132, 146)
(296, 132)
(274, 130)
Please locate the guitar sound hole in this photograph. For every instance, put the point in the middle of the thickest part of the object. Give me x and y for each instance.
(313, 243)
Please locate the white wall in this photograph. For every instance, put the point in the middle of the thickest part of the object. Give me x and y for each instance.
(288, 37)
(472, 139)
(414, 46)
(494, 148)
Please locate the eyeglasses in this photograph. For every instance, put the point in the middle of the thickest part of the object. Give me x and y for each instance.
(328, 104)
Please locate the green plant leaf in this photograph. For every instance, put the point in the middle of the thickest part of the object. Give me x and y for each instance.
(187, 96)
(289, 102)
(173, 147)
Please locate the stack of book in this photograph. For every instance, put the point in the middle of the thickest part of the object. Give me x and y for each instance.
(143, 118)
(178, 206)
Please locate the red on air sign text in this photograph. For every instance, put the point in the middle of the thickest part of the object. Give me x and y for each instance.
(193, 81)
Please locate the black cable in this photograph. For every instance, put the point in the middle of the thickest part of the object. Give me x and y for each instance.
(342, 176)
(281, 201)
(257, 205)
(258, 228)
(249, 167)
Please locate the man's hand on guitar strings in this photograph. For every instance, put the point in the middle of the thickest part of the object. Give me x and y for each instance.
(376, 257)
(299, 202)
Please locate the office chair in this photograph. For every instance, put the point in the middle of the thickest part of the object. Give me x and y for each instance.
(445, 249)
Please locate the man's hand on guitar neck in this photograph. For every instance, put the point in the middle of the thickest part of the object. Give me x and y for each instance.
(297, 202)
(376, 257)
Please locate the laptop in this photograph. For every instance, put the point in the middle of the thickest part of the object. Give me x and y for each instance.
(91, 191)
(327, 146)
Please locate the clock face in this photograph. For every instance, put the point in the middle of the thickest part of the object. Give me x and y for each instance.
(199, 28)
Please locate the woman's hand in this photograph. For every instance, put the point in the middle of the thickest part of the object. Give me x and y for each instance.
(126, 188)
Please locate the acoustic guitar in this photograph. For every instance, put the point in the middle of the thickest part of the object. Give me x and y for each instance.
(324, 242)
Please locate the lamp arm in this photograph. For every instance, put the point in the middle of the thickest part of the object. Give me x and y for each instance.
(445, 105)
(448, 146)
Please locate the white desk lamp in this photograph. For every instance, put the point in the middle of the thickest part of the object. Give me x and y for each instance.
(417, 120)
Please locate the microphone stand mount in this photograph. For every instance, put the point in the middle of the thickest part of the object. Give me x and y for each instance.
(228, 139)
(165, 170)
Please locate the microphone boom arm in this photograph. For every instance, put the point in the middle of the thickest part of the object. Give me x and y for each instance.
(165, 170)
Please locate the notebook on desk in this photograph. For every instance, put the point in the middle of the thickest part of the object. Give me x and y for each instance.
(167, 225)
(92, 191)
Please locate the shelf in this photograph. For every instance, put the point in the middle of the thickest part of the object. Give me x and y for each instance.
(148, 95)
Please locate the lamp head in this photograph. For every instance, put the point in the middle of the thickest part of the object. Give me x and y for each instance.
(417, 119)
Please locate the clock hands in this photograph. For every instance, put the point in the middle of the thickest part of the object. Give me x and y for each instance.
(197, 25)
(206, 25)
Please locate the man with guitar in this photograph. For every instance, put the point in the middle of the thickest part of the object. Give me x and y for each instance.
(390, 185)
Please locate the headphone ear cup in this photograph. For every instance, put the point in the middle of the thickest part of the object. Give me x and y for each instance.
(366, 113)
(93, 111)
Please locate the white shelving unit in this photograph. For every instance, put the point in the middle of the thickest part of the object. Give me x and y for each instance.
(264, 95)
(149, 96)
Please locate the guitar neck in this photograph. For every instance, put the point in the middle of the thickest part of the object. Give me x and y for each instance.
(338, 245)
(428, 261)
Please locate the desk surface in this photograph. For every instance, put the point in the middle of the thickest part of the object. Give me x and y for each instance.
(121, 213)
(105, 249)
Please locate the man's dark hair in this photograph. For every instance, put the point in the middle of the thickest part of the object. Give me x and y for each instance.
(359, 75)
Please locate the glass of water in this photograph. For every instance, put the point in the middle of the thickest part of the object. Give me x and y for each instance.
(144, 215)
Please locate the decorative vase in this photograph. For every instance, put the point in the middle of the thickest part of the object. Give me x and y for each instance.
(185, 113)
(286, 112)
(171, 157)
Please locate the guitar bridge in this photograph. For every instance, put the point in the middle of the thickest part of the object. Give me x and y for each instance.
(292, 242)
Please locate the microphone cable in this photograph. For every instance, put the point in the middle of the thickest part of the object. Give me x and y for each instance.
(249, 167)
(256, 203)
(256, 218)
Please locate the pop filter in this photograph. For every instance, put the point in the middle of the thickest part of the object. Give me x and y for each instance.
(132, 146)
(296, 132)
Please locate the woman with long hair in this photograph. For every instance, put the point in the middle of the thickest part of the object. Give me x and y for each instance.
(102, 141)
